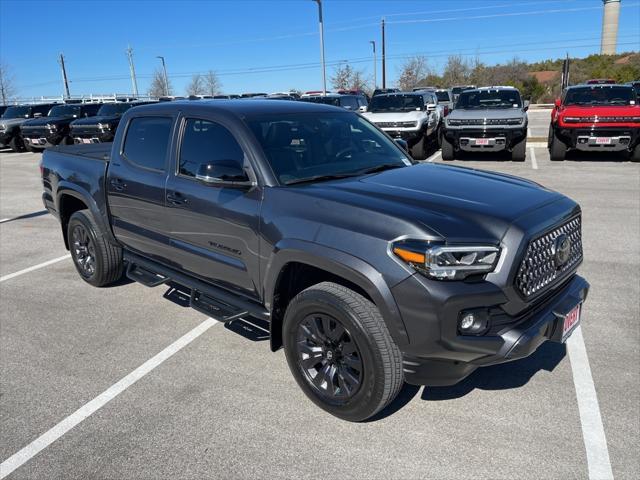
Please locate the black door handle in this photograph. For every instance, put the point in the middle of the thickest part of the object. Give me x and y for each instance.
(177, 198)
(118, 184)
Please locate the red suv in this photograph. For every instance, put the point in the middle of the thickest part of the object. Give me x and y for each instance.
(596, 117)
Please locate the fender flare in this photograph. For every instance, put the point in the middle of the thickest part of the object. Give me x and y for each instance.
(344, 265)
(73, 190)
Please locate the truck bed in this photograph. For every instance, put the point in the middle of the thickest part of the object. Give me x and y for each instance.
(97, 151)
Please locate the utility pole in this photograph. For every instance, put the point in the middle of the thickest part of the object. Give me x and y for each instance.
(166, 79)
(375, 66)
(132, 70)
(384, 64)
(64, 76)
(324, 71)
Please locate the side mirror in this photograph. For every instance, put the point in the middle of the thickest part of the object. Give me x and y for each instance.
(402, 144)
(223, 173)
(37, 115)
(431, 107)
(362, 108)
(558, 103)
(526, 105)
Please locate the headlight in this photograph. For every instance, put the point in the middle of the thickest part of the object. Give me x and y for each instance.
(104, 126)
(444, 262)
(451, 121)
(53, 128)
(514, 121)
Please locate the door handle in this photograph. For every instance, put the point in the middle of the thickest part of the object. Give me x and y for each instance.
(118, 184)
(177, 198)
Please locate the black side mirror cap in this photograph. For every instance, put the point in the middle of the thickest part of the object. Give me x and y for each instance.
(402, 144)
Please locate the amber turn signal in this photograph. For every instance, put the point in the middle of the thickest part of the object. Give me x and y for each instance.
(409, 256)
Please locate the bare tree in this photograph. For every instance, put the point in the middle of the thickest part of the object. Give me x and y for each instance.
(211, 83)
(456, 71)
(341, 79)
(196, 87)
(7, 86)
(158, 88)
(359, 81)
(413, 71)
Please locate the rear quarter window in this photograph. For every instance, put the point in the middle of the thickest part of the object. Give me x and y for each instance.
(147, 141)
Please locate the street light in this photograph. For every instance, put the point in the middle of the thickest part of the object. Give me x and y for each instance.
(324, 74)
(375, 80)
(166, 79)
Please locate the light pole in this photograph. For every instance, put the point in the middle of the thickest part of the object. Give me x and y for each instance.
(375, 80)
(166, 79)
(324, 73)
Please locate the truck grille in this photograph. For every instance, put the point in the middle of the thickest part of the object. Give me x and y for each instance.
(539, 268)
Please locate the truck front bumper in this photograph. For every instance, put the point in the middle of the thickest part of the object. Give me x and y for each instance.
(600, 139)
(484, 139)
(439, 355)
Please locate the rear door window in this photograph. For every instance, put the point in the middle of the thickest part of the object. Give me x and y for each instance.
(147, 141)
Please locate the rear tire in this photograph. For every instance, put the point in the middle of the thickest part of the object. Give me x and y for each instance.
(66, 140)
(557, 149)
(448, 153)
(519, 151)
(419, 150)
(16, 144)
(340, 352)
(98, 262)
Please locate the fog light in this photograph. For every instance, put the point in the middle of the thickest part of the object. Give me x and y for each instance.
(473, 323)
(467, 321)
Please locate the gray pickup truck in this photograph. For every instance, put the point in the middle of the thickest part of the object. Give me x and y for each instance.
(490, 119)
(369, 270)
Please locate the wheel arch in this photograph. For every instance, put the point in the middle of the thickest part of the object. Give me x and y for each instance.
(321, 263)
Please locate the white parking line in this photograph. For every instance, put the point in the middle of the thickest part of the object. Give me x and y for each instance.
(35, 267)
(534, 162)
(434, 156)
(43, 441)
(595, 441)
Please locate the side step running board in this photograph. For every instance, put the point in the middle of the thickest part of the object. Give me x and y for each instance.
(144, 276)
(214, 301)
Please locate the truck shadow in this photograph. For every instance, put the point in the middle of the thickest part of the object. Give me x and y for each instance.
(596, 157)
(504, 376)
(497, 377)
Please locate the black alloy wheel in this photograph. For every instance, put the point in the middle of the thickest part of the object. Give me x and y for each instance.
(83, 251)
(329, 358)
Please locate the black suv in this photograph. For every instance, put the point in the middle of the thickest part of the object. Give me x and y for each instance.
(40, 133)
(102, 126)
(15, 116)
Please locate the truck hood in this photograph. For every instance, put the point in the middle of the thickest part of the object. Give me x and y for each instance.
(411, 116)
(7, 123)
(600, 111)
(459, 204)
(486, 113)
(43, 121)
(95, 120)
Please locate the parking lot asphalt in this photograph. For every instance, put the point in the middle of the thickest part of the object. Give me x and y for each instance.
(224, 406)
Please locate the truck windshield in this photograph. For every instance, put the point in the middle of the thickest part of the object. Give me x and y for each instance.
(114, 109)
(596, 95)
(322, 145)
(17, 112)
(65, 111)
(396, 103)
(489, 99)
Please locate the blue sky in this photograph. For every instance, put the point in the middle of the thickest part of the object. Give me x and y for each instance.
(271, 45)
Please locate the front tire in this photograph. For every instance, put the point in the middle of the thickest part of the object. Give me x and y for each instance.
(635, 154)
(448, 153)
(519, 151)
(16, 144)
(98, 262)
(557, 149)
(419, 150)
(340, 352)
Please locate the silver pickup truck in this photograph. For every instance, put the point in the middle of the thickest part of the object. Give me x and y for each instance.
(415, 117)
(488, 119)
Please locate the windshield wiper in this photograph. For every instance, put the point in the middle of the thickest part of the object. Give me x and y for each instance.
(319, 178)
(380, 168)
